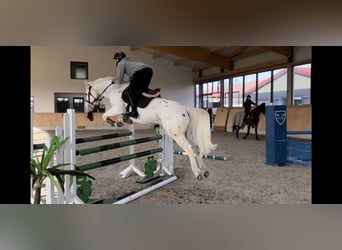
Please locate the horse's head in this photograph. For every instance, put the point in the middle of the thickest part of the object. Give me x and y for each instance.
(92, 99)
(263, 108)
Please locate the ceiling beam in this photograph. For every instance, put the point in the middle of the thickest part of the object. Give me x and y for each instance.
(214, 49)
(194, 69)
(236, 51)
(250, 69)
(252, 51)
(156, 55)
(282, 50)
(197, 54)
(180, 61)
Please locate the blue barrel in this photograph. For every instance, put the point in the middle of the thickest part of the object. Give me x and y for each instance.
(276, 135)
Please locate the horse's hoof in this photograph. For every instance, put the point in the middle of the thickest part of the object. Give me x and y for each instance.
(90, 116)
(120, 124)
(127, 119)
(111, 122)
(206, 174)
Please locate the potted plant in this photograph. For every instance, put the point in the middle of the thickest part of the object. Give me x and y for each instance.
(40, 168)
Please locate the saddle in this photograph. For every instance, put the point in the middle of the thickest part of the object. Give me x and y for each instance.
(151, 93)
(143, 98)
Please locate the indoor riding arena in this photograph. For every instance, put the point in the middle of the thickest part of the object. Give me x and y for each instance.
(270, 166)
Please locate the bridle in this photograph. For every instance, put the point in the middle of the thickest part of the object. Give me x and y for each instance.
(96, 98)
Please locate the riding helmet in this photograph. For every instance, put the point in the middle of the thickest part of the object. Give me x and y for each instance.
(119, 56)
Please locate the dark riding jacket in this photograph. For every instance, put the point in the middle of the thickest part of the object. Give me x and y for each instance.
(247, 105)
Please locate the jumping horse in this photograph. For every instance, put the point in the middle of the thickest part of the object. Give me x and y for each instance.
(252, 120)
(188, 127)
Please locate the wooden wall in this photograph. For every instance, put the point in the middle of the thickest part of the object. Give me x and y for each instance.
(220, 121)
(298, 119)
(56, 119)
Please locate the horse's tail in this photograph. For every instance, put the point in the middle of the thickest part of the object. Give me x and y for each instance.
(238, 120)
(199, 130)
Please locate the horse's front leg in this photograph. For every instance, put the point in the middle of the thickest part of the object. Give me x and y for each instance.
(256, 133)
(106, 117)
(248, 128)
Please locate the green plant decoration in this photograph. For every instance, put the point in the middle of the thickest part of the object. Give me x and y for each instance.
(40, 168)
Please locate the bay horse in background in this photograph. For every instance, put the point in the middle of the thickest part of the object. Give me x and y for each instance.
(189, 127)
(252, 120)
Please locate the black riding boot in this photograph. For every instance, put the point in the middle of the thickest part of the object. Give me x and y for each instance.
(132, 102)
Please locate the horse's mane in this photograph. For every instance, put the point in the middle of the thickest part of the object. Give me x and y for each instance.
(103, 79)
(259, 108)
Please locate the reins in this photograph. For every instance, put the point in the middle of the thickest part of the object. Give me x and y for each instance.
(99, 97)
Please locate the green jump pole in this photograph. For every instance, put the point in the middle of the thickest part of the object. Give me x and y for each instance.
(38, 146)
(118, 159)
(102, 137)
(97, 149)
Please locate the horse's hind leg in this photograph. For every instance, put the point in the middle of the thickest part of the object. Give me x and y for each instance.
(187, 147)
(236, 130)
(202, 165)
(200, 162)
(249, 127)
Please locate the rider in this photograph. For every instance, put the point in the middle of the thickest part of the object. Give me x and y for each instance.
(139, 74)
(247, 105)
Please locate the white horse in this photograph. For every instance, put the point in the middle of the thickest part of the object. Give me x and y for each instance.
(188, 127)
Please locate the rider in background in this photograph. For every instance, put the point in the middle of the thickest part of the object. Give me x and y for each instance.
(139, 74)
(247, 105)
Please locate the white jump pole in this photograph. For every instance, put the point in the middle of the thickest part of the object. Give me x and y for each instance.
(146, 190)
